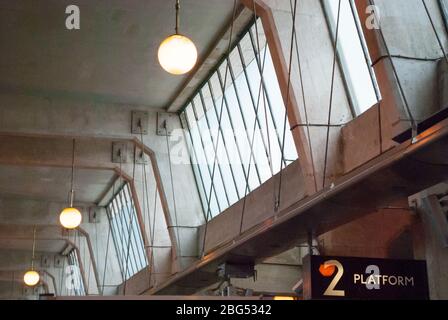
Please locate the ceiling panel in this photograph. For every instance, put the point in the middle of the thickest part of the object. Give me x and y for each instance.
(53, 184)
(111, 59)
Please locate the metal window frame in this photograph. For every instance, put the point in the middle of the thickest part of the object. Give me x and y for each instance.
(79, 289)
(207, 160)
(198, 95)
(139, 240)
(210, 87)
(264, 87)
(347, 82)
(246, 129)
(192, 161)
(443, 5)
(126, 234)
(207, 201)
(233, 128)
(193, 103)
(201, 95)
(257, 120)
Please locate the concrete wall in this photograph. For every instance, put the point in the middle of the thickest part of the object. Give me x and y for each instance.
(36, 132)
(259, 207)
(371, 236)
(316, 55)
(429, 246)
(416, 56)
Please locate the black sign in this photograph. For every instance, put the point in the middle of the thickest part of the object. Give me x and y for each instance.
(363, 278)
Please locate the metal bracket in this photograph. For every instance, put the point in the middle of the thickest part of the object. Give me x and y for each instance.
(46, 261)
(94, 214)
(164, 123)
(141, 157)
(59, 261)
(119, 152)
(140, 122)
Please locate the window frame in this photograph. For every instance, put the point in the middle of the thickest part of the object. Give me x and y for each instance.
(228, 96)
(355, 108)
(79, 287)
(126, 233)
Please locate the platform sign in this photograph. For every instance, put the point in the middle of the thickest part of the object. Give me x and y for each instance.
(364, 278)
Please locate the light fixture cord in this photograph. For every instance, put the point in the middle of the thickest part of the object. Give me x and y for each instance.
(72, 191)
(177, 16)
(34, 248)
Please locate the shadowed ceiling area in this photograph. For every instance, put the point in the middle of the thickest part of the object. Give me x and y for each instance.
(112, 58)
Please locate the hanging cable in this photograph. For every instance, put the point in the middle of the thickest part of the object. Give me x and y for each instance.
(130, 230)
(262, 63)
(89, 266)
(307, 124)
(177, 16)
(172, 187)
(152, 224)
(106, 257)
(435, 30)
(145, 208)
(335, 51)
(109, 218)
(365, 50)
(288, 98)
(72, 182)
(265, 103)
(219, 123)
(414, 126)
(62, 275)
(34, 248)
(96, 241)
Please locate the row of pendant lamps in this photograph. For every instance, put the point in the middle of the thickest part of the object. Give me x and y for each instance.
(177, 55)
(70, 218)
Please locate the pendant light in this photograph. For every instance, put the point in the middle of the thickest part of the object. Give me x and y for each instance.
(70, 218)
(177, 53)
(31, 277)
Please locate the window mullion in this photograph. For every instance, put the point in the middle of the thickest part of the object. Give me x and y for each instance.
(114, 230)
(208, 166)
(118, 216)
(215, 143)
(265, 92)
(233, 128)
(223, 140)
(257, 121)
(132, 222)
(246, 177)
(127, 244)
(204, 201)
(137, 231)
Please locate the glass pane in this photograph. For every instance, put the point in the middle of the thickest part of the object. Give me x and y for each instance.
(242, 120)
(194, 163)
(223, 159)
(352, 56)
(209, 148)
(240, 132)
(126, 233)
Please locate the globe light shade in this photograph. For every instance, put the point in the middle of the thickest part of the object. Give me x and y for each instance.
(31, 278)
(70, 218)
(177, 54)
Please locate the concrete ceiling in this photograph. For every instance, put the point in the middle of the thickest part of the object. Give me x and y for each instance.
(53, 184)
(111, 59)
(52, 245)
